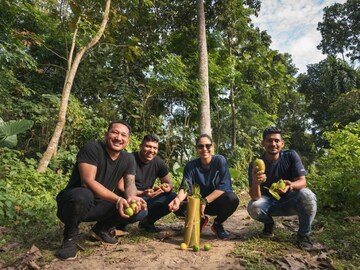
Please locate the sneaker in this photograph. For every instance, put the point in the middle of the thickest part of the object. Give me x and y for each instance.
(104, 236)
(304, 242)
(218, 229)
(148, 227)
(268, 230)
(203, 222)
(68, 250)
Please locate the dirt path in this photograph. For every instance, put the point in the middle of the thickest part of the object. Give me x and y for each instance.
(162, 251)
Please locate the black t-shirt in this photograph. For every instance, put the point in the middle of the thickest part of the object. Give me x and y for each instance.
(287, 167)
(146, 173)
(108, 171)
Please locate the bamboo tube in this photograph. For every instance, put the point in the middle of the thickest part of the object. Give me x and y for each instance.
(192, 222)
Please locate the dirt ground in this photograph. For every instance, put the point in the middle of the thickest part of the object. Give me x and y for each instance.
(162, 250)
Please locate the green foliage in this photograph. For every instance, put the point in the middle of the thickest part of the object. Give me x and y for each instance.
(337, 184)
(9, 130)
(340, 30)
(26, 196)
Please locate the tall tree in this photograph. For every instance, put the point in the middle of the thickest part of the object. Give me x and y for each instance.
(340, 30)
(323, 84)
(205, 120)
(73, 64)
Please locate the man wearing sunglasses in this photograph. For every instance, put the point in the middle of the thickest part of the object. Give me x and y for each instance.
(211, 173)
(149, 167)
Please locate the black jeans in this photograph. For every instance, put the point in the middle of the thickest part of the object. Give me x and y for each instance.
(78, 205)
(159, 206)
(223, 207)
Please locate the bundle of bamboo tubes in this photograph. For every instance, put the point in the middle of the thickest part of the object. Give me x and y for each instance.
(192, 220)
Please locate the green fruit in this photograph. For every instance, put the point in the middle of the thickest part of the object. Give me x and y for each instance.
(259, 163)
(207, 247)
(196, 248)
(129, 211)
(281, 184)
(274, 194)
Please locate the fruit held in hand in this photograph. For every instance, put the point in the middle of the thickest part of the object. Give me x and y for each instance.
(196, 248)
(164, 186)
(133, 205)
(281, 184)
(183, 246)
(207, 247)
(275, 187)
(259, 163)
(129, 211)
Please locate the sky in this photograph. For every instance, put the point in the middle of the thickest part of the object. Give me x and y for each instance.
(292, 26)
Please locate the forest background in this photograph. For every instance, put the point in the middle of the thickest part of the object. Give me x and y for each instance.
(144, 70)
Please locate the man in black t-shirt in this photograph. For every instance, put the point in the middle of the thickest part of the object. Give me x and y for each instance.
(149, 167)
(89, 195)
(294, 199)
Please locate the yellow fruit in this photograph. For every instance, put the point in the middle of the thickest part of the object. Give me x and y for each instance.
(207, 247)
(196, 248)
(133, 205)
(129, 211)
(259, 163)
(183, 246)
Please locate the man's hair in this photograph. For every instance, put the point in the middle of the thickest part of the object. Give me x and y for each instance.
(271, 130)
(119, 122)
(203, 136)
(150, 138)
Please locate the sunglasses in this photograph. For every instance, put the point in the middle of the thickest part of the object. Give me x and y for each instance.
(201, 146)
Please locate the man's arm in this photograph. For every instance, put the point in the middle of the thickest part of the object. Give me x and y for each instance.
(257, 177)
(299, 183)
(130, 189)
(121, 187)
(87, 175)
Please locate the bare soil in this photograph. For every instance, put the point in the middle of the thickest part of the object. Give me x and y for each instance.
(140, 250)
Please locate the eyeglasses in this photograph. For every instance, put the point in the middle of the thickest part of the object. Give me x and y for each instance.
(201, 146)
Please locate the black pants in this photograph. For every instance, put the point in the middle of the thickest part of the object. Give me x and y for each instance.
(223, 207)
(78, 205)
(159, 206)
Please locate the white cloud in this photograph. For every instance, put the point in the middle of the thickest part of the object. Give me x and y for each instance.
(292, 26)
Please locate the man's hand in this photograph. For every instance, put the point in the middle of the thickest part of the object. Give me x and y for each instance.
(152, 192)
(174, 205)
(258, 176)
(287, 187)
(165, 187)
(136, 203)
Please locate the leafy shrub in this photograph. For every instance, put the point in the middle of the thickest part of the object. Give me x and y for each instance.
(339, 168)
(26, 196)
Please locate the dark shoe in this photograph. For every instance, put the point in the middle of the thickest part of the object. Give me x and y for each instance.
(218, 229)
(268, 230)
(304, 242)
(121, 227)
(203, 222)
(104, 236)
(68, 250)
(148, 227)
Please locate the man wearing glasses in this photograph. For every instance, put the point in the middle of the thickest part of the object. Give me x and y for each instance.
(211, 173)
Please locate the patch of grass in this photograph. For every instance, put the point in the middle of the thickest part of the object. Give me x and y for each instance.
(341, 234)
(337, 235)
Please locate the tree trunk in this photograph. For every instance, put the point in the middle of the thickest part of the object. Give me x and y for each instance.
(204, 106)
(70, 75)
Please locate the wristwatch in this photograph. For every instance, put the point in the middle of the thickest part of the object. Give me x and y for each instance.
(206, 201)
